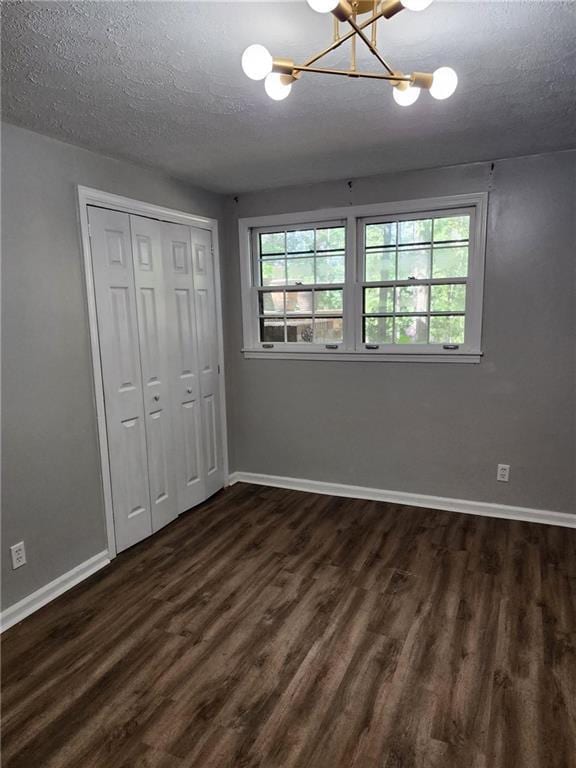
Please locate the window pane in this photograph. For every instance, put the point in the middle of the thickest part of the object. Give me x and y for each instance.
(299, 329)
(273, 271)
(378, 300)
(330, 269)
(301, 270)
(299, 301)
(448, 298)
(411, 330)
(328, 301)
(272, 243)
(271, 330)
(415, 231)
(379, 235)
(332, 239)
(447, 330)
(412, 298)
(327, 330)
(452, 228)
(413, 264)
(378, 330)
(450, 262)
(380, 266)
(300, 240)
(272, 303)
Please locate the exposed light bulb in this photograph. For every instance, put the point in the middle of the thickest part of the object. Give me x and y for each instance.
(416, 5)
(275, 88)
(256, 62)
(406, 97)
(323, 6)
(444, 83)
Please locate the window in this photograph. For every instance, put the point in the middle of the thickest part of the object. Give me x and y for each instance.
(415, 279)
(301, 276)
(393, 282)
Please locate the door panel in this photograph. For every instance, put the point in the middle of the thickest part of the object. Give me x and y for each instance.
(153, 332)
(118, 334)
(207, 331)
(192, 435)
(210, 447)
(184, 377)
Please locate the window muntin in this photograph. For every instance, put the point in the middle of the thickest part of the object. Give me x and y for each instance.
(301, 276)
(415, 275)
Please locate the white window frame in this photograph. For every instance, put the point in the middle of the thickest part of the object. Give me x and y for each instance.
(352, 347)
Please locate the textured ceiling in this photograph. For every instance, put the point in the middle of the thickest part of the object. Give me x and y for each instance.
(160, 83)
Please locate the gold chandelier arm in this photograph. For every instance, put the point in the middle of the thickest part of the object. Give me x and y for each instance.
(353, 73)
(363, 37)
(347, 36)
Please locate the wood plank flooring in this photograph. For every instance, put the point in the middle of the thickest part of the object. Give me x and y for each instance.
(273, 628)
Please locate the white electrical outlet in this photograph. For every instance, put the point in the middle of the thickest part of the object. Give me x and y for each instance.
(18, 553)
(503, 473)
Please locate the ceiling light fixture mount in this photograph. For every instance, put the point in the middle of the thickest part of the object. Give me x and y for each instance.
(280, 74)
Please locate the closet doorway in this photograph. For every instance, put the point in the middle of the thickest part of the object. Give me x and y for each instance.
(153, 289)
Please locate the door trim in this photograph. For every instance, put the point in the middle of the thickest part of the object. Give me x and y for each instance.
(86, 197)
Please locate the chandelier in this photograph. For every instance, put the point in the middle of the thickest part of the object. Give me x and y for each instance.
(280, 74)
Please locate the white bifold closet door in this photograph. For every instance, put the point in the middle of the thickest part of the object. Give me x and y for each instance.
(154, 337)
(194, 355)
(155, 298)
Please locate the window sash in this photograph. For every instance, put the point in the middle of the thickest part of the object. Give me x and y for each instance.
(355, 219)
(258, 288)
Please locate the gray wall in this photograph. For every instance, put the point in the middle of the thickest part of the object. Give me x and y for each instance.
(51, 484)
(437, 428)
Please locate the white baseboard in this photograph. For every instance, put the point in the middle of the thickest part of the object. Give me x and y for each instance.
(20, 610)
(482, 508)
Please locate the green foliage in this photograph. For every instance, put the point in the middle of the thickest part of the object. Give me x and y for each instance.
(300, 241)
(330, 269)
(273, 242)
(414, 263)
(451, 228)
(273, 271)
(378, 330)
(301, 270)
(331, 239)
(412, 298)
(447, 329)
(378, 300)
(328, 301)
(450, 262)
(411, 330)
(380, 235)
(448, 298)
(380, 266)
(415, 231)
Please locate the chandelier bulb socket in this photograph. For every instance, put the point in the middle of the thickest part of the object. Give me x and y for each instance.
(283, 66)
(390, 8)
(343, 11)
(422, 80)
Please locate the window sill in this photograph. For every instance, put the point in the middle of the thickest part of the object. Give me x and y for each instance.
(361, 357)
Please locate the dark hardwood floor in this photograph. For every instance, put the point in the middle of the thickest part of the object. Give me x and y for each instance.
(272, 628)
